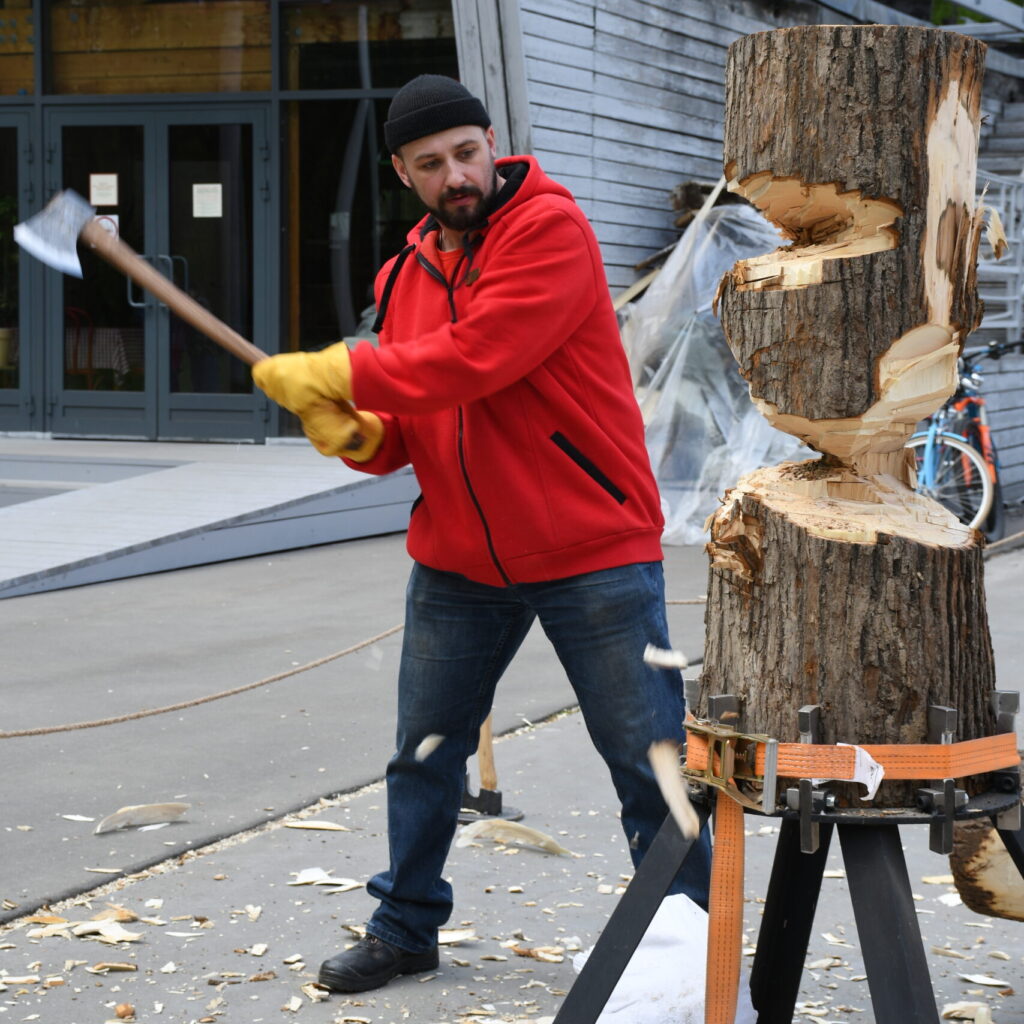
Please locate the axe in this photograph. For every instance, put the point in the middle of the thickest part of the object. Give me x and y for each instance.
(52, 236)
(487, 802)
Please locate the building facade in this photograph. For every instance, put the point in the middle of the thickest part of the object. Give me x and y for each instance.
(237, 146)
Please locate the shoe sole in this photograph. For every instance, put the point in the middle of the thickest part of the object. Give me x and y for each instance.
(337, 983)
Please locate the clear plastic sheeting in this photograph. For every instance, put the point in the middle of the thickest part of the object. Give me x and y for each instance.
(703, 433)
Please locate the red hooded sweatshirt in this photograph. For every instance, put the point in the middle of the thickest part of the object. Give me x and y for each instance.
(509, 392)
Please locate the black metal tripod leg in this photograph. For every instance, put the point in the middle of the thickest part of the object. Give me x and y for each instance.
(628, 924)
(786, 925)
(890, 936)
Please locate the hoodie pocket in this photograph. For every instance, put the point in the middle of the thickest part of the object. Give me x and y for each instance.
(588, 467)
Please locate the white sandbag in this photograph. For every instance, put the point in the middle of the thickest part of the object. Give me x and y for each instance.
(664, 980)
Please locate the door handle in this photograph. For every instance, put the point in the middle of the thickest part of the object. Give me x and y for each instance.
(131, 301)
(128, 284)
(184, 272)
(169, 261)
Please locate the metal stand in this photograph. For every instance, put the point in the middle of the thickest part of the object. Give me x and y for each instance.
(628, 924)
(890, 938)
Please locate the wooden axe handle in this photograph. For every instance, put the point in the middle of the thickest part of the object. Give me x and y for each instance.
(485, 757)
(129, 262)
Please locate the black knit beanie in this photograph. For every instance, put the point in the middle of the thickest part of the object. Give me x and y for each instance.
(429, 104)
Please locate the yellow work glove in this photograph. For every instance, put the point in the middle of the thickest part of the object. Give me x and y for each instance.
(317, 387)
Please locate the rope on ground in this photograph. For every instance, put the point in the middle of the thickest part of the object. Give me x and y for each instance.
(149, 712)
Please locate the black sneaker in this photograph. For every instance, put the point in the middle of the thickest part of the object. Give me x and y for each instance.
(370, 963)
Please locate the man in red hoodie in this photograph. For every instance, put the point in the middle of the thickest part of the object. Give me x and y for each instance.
(500, 376)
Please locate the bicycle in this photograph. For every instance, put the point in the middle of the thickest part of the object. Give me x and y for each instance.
(957, 461)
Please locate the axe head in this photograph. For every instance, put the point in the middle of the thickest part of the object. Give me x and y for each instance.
(52, 234)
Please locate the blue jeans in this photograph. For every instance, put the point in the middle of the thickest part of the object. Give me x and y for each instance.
(459, 638)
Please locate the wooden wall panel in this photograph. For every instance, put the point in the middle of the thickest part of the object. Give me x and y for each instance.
(646, 79)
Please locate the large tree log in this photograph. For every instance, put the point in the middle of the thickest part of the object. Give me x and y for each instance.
(832, 582)
(860, 143)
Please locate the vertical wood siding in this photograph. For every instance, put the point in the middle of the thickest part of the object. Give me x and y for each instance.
(627, 99)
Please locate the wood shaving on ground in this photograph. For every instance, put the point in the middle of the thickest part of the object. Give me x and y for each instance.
(664, 758)
(317, 876)
(546, 954)
(978, 1012)
(316, 825)
(984, 979)
(502, 831)
(141, 814)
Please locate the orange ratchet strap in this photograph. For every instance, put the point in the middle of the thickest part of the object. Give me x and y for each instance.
(719, 756)
(900, 761)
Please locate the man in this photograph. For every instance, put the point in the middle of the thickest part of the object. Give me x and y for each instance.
(501, 378)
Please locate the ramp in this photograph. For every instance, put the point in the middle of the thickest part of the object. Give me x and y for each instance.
(111, 511)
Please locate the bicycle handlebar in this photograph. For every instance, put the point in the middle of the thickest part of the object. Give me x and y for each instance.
(993, 350)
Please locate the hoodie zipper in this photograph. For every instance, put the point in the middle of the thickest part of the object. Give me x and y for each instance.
(449, 286)
(479, 510)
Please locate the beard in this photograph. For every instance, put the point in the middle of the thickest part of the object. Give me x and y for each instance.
(465, 218)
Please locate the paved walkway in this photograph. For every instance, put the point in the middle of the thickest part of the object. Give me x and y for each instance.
(79, 512)
(222, 933)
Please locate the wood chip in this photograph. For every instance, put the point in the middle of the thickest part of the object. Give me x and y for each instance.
(106, 966)
(317, 876)
(664, 758)
(314, 993)
(105, 931)
(546, 954)
(141, 814)
(984, 979)
(314, 824)
(502, 831)
(427, 746)
(954, 953)
(978, 1012)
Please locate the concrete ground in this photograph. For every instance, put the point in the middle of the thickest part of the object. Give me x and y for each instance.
(222, 933)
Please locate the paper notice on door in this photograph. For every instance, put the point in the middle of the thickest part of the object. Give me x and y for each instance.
(207, 200)
(103, 190)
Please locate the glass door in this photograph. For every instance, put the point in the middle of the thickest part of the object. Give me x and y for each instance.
(179, 186)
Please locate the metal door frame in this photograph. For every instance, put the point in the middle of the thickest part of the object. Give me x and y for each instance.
(149, 414)
(18, 408)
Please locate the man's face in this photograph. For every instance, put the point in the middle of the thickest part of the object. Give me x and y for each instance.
(453, 174)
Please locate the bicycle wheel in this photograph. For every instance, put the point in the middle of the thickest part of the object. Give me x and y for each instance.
(994, 525)
(959, 477)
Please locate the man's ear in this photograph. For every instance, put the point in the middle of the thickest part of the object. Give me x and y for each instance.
(489, 136)
(399, 166)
